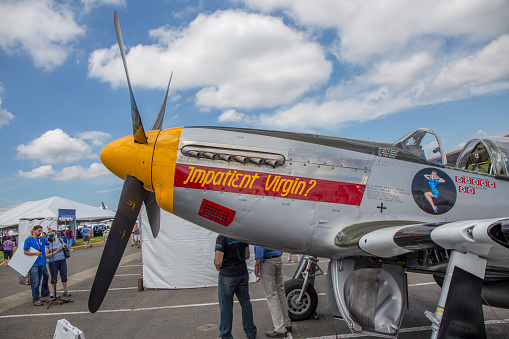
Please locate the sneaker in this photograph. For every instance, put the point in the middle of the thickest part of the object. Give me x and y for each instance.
(66, 294)
(38, 303)
(300, 259)
(289, 260)
(275, 334)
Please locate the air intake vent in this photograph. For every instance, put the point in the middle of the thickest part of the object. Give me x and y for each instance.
(499, 232)
(217, 213)
(230, 154)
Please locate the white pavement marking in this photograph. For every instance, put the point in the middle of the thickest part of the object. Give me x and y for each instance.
(121, 310)
(109, 289)
(403, 330)
(139, 265)
(135, 288)
(423, 284)
(126, 275)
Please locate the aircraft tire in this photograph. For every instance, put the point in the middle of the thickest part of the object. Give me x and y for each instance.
(307, 307)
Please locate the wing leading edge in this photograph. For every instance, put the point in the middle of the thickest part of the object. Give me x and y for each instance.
(489, 239)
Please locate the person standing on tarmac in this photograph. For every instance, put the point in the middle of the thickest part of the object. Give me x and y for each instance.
(230, 260)
(269, 268)
(87, 234)
(38, 272)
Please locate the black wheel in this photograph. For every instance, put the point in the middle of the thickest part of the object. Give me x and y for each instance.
(307, 306)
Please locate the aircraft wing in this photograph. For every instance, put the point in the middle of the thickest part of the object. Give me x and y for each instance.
(488, 238)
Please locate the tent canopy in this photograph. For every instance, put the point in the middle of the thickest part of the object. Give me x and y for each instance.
(48, 208)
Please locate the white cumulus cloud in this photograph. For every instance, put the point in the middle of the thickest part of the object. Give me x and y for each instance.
(478, 73)
(231, 115)
(366, 28)
(97, 138)
(394, 60)
(234, 59)
(55, 146)
(43, 28)
(5, 116)
(38, 173)
(78, 172)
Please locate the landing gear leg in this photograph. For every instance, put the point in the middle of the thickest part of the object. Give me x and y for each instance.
(300, 292)
(459, 310)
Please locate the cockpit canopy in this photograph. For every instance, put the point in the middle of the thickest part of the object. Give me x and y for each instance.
(424, 143)
(488, 155)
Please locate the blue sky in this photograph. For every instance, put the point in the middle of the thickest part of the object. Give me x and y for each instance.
(359, 69)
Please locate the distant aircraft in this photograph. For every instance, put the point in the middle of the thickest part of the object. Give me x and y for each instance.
(377, 210)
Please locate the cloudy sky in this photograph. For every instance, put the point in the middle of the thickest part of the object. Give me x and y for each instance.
(363, 69)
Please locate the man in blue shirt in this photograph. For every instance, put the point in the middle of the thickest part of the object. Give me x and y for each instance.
(38, 271)
(87, 235)
(230, 261)
(270, 268)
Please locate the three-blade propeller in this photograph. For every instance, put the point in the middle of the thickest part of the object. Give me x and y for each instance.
(128, 209)
(132, 197)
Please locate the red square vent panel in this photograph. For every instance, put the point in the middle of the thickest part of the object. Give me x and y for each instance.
(217, 213)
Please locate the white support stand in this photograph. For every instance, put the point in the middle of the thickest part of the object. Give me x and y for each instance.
(65, 330)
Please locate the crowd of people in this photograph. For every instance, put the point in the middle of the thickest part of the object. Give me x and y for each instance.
(49, 249)
(45, 248)
(229, 259)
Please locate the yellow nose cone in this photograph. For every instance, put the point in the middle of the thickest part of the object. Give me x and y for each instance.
(119, 156)
(126, 157)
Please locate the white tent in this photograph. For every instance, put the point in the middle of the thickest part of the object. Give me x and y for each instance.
(45, 213)
(182, 255)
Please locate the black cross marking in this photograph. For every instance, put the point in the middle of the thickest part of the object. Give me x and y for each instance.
(381, 207)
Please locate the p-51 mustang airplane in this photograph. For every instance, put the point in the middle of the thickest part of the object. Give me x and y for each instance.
(377, 210)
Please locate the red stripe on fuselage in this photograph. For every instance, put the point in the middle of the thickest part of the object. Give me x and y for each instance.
(265, 184)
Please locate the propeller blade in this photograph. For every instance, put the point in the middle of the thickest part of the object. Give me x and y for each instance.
(153, 213)
(153, 209)
(138, 131)
(128, 209)
(158, 123)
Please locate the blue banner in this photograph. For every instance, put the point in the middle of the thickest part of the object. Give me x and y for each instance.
(66, 214)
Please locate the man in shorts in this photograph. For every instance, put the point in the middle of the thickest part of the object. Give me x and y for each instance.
(87, 234)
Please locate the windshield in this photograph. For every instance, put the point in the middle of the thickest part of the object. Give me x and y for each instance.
(424, 143)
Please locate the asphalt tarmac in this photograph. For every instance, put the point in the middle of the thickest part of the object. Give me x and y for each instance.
(186, 313)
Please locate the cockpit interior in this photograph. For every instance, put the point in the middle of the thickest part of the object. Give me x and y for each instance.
(488, 155)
